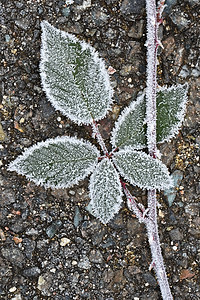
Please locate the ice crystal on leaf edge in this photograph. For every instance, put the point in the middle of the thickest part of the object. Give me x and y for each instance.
(51, 164)
(130, 128)
(142, 170)
(105, 191)
(66, 63)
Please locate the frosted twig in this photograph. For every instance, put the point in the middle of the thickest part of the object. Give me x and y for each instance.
(152, 227)
(132, 204)
(98, 136)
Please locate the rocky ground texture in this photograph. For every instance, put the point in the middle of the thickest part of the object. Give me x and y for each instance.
(51, 247)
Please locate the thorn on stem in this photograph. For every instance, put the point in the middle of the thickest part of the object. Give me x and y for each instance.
(152, 265)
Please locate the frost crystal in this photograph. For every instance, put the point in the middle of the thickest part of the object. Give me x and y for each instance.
(130, 129)
(73, 76)
(142, 170)
(57, 163)
(105, 191)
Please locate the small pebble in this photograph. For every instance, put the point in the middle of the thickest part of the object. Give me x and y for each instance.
(64, 241)
(12, 289)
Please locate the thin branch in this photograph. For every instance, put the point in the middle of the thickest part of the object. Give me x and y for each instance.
(132, 204)
(152, 228)
(98, 136)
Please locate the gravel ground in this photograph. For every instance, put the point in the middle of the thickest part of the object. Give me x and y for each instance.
(50, 245)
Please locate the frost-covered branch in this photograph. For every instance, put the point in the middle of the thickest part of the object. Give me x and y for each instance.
(132, 204)
(152, 228)
(98, 136)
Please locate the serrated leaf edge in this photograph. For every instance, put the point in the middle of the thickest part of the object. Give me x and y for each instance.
(143, 154)
(180, 114)
(122, 117)
(13, 165)
(119, 198)
(97, 60)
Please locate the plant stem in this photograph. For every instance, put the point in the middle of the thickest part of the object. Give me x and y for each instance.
(151, 224)
(99, 138)
(154, 241)
(132, 204)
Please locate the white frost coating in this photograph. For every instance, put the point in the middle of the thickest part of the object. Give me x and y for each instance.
(57, 163)
(105, 191)
(73, 76)
(178, 103)
(151, 43)
(129, 128)
(142, 170)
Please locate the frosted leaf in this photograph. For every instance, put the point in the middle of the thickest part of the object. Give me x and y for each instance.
(57, 163)
(73, 76)
(130, 128)
(171, 106)
(105, 191)
(142, 170)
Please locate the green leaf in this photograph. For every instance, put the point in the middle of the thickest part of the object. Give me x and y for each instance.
(142, 170)
(171, 106)
(73, 76)
(57, 163)
(105, 191)
(130, 128)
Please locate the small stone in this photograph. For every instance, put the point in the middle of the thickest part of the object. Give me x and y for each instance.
(119, 276)
(53, 228)
(12, 289)
(41, 282)
(22, 23)
(32, 231)
(192, 209)
(96, 257)
(136, 30)
(86, 4)
(7, 197)
(180, 20)
(71, 192)
(77, 217)
(14, 255)
(19, 4)
(45, 283)
(29, 247)
(64, 241)
(176, 235)
(170, 193)
(7, 38)
(99, 17)
(66, 11)
(126, 70)
(169, 5)
(17, 240)
(184, 73)
(84, 263)
(69, 2)
(150, 279)
(17, 297)
(74, 263)
(32, 272)
(131, 7)
(2, 235)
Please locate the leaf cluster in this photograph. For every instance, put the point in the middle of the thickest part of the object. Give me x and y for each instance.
(77, 83)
